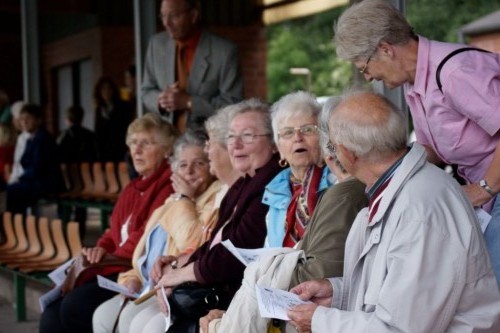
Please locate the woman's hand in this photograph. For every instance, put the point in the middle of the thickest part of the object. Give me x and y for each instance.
(181, 186)
(157, 270)
(213, 314)
(174, 276)
(93, 254)
(161, 300)
(133, 285)
(476, 194)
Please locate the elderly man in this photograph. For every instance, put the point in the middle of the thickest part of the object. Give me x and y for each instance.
(189, 72)
(415, 260)
(453, 93)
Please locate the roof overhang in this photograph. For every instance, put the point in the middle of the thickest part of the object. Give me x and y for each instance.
(276, 11)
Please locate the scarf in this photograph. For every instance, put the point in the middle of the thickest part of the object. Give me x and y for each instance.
(302, 204)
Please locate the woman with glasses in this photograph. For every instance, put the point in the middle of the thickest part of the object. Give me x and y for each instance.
(293, 193)
(241, 217)
(150, 140)
(173, 229)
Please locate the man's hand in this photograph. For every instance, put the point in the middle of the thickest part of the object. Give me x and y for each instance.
(301, 317)
(93, 254)
(173, 98)
(213, 314)
(317, 291)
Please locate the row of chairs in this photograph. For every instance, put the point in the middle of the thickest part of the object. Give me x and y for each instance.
(31, 248)
(95, 181)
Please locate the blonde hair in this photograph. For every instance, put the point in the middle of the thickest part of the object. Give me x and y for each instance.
(154, 123)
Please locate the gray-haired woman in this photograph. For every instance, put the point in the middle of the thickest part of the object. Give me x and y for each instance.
(293, 193)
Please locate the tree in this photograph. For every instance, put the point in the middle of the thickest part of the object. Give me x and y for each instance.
(306, 42)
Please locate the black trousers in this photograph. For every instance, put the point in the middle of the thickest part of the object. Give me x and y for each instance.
(73, 312)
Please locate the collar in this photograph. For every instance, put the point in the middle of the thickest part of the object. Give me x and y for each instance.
(422, 66)
(192, 41)
(370, 192)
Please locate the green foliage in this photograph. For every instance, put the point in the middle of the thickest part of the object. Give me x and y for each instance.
(441, 20)
(306, 42)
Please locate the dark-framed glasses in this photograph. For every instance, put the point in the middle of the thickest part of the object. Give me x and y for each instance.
(365, 67)
(306, 130)
(245, 138)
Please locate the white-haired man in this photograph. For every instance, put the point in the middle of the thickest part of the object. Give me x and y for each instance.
(415, 259)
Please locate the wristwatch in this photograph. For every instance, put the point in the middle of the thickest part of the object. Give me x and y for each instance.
(484, 184)
(180, 196)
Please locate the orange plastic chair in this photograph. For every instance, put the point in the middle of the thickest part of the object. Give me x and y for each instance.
(123, 175)
(34, 245)
(10, 236)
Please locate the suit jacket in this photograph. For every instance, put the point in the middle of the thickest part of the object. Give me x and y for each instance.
(214, 80)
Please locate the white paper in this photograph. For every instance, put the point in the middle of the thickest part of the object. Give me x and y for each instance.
(483, 218)
(274, 303)
(246, 256)
(112, 285)
(49, 297)
(58, 275)
(167, 317)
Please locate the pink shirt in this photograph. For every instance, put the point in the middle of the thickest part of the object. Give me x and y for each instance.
(461, 124)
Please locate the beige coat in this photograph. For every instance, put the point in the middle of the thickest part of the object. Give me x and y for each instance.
(183, 220)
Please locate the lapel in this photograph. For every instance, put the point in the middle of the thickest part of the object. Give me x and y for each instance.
(200, 62)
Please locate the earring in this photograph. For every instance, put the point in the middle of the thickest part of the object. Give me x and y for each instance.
(283, 163)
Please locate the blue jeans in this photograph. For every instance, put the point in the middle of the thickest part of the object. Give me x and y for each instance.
(492, 238)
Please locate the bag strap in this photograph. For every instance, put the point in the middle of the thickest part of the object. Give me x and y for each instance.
(117, 320)
(441, 64)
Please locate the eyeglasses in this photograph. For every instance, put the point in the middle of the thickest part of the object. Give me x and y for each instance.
(365, 67)
(332, 148)
(245, 138)
(174, 15)
(289, 132)
(143, 144)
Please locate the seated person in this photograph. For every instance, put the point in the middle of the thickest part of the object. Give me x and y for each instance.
(415, 257)
(292, 195)
(41, 174)
(77, 144)
(150, 139)
(323, 242)
(173, 229)
(241, 215)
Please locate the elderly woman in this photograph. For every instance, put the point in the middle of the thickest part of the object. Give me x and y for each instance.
(220, 163)
(241, 215)
(293, 193)
(323, 244)
(150, 140)
(173, 229)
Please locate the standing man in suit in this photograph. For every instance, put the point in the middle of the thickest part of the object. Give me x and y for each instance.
(189, 72)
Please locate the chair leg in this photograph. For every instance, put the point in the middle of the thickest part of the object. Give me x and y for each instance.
(20, 297)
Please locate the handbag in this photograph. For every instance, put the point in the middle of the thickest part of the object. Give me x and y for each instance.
(193, 300)
(82, 270)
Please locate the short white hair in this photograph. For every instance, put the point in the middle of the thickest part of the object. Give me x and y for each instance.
(15, 109)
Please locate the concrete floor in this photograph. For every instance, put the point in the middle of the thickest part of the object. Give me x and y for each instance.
(8, 323)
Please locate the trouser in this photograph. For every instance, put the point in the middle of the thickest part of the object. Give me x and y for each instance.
(73, 312)
(492, 238)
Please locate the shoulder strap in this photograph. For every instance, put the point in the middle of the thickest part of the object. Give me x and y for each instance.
(441, 64)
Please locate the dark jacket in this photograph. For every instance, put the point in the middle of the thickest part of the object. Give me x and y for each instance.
(243, 206)
(40, 162)
(77, 144)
